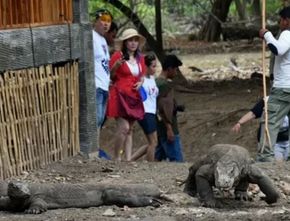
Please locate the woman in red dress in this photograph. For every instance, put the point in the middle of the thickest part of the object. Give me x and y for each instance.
(125, 103)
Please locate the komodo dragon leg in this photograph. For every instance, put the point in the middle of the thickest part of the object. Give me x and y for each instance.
(204, 179)
(37, 206)
(241, 191)
(190, 183)
(5, 203)
(265, 184)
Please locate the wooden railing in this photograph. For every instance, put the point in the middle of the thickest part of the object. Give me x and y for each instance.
(25, 13)
(39, 117)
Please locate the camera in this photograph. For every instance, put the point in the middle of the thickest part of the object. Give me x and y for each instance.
(126, 57)
(178, 108)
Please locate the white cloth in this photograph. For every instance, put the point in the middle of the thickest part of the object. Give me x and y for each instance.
(282, 60)
(152, 92)
(281, 149)
(134, 68)
(101, 61)
(285, 123)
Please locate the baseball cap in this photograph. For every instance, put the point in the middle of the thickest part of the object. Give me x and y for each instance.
(171, 61)
(102, 11)
(285, 12)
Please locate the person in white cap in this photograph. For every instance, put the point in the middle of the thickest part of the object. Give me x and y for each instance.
(125, 103)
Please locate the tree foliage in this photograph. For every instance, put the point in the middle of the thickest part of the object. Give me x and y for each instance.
(173, 12)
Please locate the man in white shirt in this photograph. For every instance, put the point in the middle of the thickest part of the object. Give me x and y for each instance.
(279, 98)
(101, 60)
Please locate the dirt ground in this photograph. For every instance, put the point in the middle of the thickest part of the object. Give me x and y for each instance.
(217, 98)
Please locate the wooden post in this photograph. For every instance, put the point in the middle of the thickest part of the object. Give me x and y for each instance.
(87, 88)
(264, 78)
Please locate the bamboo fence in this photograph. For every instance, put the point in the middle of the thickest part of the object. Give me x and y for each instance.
(26, 13)
(39, 112)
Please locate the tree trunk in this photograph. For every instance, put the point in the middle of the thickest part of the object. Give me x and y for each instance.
(237, 31)
(156, 45)
(158, 25)
(240, 5)
(256, 8)
(211, 31)
(151, 42)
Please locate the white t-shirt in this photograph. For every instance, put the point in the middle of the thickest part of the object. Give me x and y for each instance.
(282, 60)
(152, 91)
(101, 60)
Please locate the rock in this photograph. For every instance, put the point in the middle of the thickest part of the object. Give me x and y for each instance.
(181, 199)
(286, 179)
(109, 213)
(126, 208)
(253, 188)
(107, 169)
(285, 187)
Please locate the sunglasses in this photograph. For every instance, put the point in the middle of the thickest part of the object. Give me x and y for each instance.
(105, 18)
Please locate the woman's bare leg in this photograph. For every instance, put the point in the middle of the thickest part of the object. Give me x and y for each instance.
(139, 153)
(148, 149)
(123, 128)
(152, 143)
(129, 142)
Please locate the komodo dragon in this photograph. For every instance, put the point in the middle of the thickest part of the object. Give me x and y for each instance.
(36, 198)
(226, 167)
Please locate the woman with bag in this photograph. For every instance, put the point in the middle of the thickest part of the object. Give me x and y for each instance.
(125, 104)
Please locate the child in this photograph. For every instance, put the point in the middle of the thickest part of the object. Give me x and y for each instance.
(148, 123)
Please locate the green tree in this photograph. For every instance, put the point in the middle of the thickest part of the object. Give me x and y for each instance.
(155, 44)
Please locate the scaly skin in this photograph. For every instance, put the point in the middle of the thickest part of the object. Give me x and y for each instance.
(227, 166)
(37, 198)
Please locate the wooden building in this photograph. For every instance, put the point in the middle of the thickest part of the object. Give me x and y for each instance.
(47, 91)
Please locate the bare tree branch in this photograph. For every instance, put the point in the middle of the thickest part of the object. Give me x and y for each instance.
(151, 42)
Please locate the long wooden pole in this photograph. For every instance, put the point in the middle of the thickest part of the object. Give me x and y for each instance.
(264, 78)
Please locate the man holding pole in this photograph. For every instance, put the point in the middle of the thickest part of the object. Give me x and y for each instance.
(279, 97)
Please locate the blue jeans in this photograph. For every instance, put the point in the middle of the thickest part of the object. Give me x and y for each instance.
(102, 98)
(169, 150)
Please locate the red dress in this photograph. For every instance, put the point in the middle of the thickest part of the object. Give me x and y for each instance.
(124, 82)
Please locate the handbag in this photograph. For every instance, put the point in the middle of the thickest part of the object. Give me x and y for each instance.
(131, 108)
(142, 93)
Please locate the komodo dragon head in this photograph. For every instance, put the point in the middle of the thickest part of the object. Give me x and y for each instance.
(18, 190)
(226, 174)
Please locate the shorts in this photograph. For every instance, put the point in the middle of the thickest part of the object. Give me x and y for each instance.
(148, 123)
